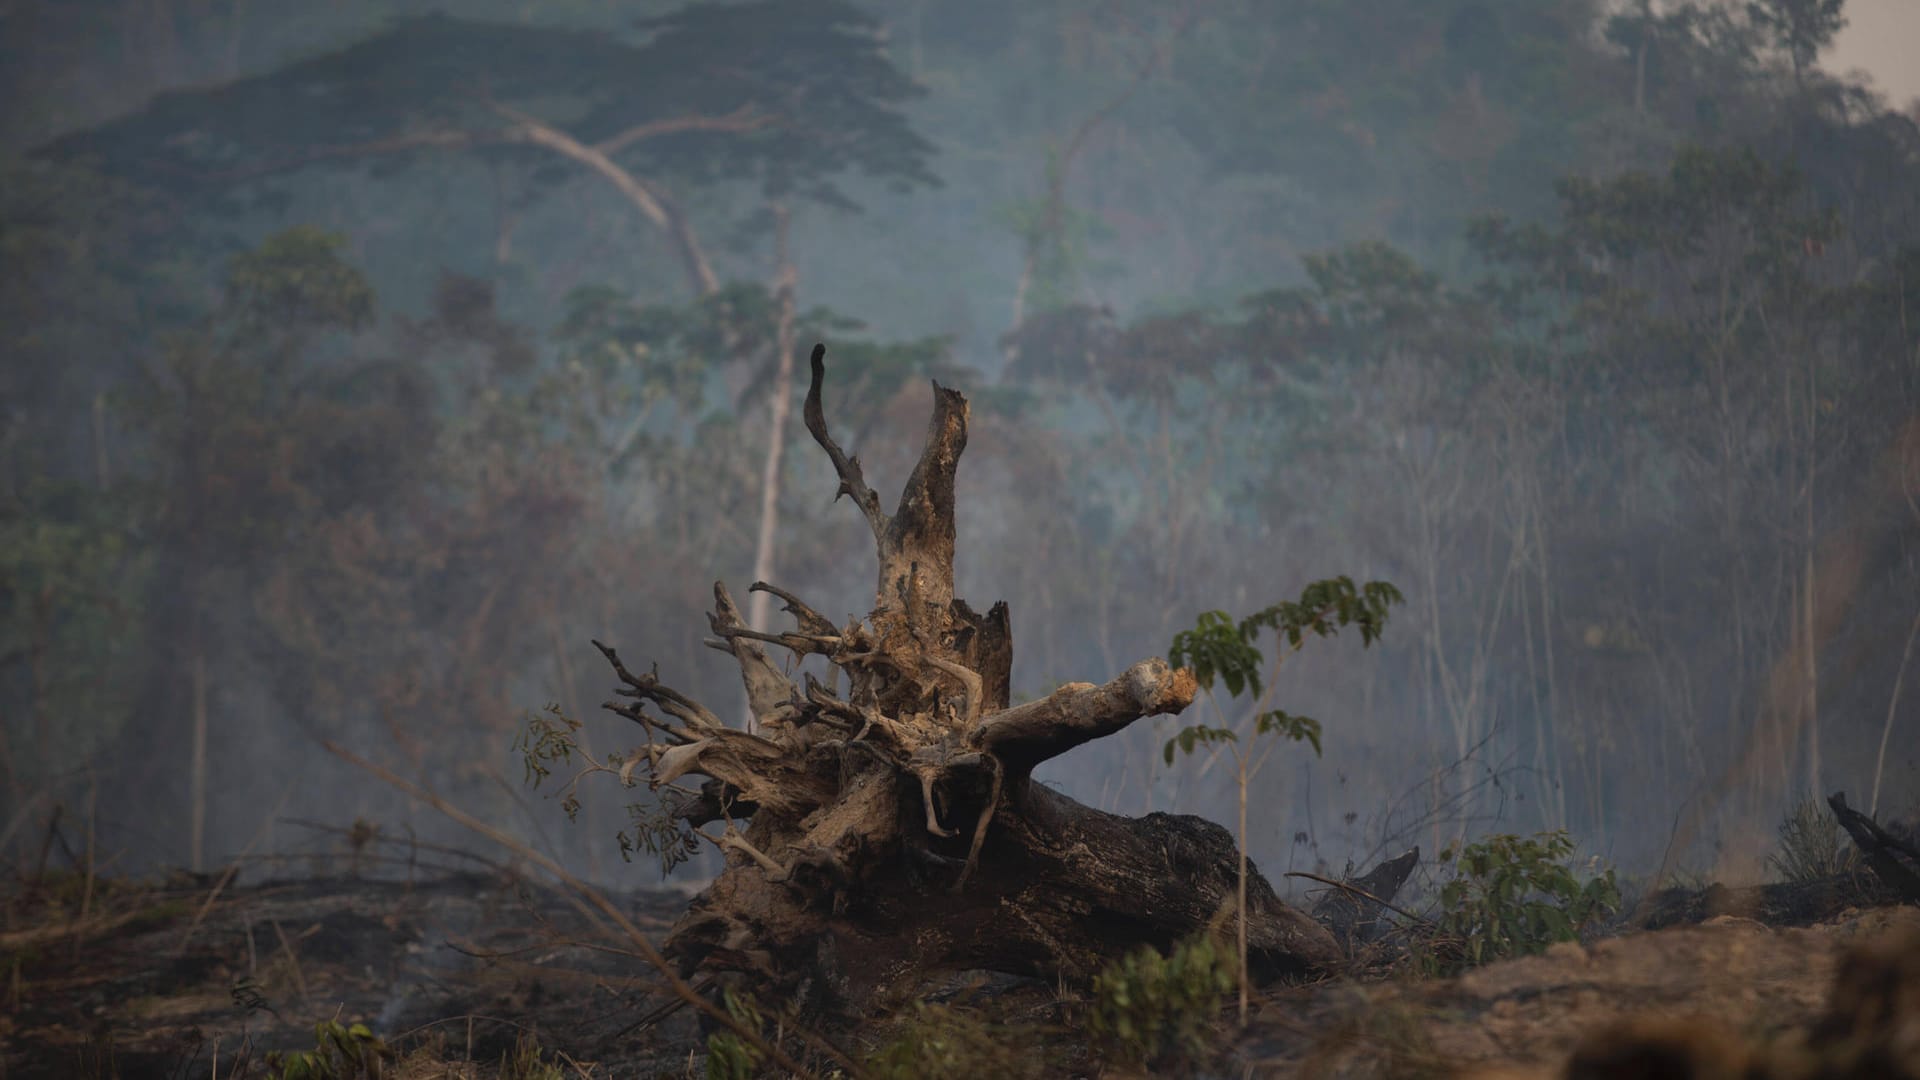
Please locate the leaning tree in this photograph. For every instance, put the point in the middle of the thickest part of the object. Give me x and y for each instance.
(882, 826)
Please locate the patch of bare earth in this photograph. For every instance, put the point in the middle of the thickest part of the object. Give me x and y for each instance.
(1731, 989)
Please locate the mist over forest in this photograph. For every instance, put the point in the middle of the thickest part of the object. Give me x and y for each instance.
(366, 361)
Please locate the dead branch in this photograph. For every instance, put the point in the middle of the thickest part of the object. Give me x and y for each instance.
(1364, 894)
(852, 481)
(1881, 848)
(769, 694)
(1026, 735)
(650, 200)
(739, 122)
(811, 622)
(799, 644)
(649, 688)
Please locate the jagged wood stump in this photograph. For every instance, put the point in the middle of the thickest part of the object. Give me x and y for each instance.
(883, 827)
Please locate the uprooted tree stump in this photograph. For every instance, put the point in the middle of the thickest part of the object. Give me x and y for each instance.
(882, 827)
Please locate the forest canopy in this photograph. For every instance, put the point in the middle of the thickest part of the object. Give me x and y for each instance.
(363, 362)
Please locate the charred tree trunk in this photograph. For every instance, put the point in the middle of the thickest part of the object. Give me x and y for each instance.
(883, 828)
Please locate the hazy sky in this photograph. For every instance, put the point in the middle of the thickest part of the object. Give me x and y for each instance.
(1882, 38)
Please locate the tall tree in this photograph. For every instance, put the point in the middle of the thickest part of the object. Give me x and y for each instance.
(788, 96)
(1799, 28)
(211, 412)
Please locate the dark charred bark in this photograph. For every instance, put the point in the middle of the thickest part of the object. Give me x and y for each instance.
(1895, 861)
(892, 831)
(1353, 913)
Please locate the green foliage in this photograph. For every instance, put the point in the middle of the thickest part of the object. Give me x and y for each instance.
(1799, 28)
(524, 1062)
(729, 1057)
(70, 578)
(659, 832)
(1216, 649)
(815, 70)
(545, 741)
(1298, 728)
(296, 279)
(1197, 735)
(1514, 896)
(1619, 321)
(632, 374)
(945, 1042)
(341, 1052)
(1271, 722)
(1055, 239)
(1323, 608)
(1812, 846)
(1219, 649)
(1149, 1008)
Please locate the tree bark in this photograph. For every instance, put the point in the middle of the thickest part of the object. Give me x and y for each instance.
(786, 281)
(197, 768)
(883, 828)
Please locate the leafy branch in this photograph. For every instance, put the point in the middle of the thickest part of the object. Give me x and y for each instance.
(1219, 649)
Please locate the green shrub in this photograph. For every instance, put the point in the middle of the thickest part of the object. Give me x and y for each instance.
(1513, 896)
(941, 1042)
(341, 1052)
(729, 1057)
(524, 1062)
(1151, 1008)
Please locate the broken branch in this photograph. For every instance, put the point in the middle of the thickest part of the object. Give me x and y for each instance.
(768, 691)
(1026, 735)
(650, 688)
(852, 481)
(811, 622)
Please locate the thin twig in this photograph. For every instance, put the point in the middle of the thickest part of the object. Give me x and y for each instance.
(286, 946)
(1361, 893)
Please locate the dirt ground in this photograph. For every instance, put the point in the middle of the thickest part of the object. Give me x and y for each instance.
(193, 978)
(152, 985)
(1755, 984)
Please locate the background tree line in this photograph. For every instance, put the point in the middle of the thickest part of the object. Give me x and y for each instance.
(362, 362)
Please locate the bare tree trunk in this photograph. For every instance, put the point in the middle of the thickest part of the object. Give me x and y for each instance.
(37, 650)
(1814, 786)
(102, 474)
(786, 280)
(1893, 709)
(1240, 880)
(656, 205)
(197, 769)
(1053, 207)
